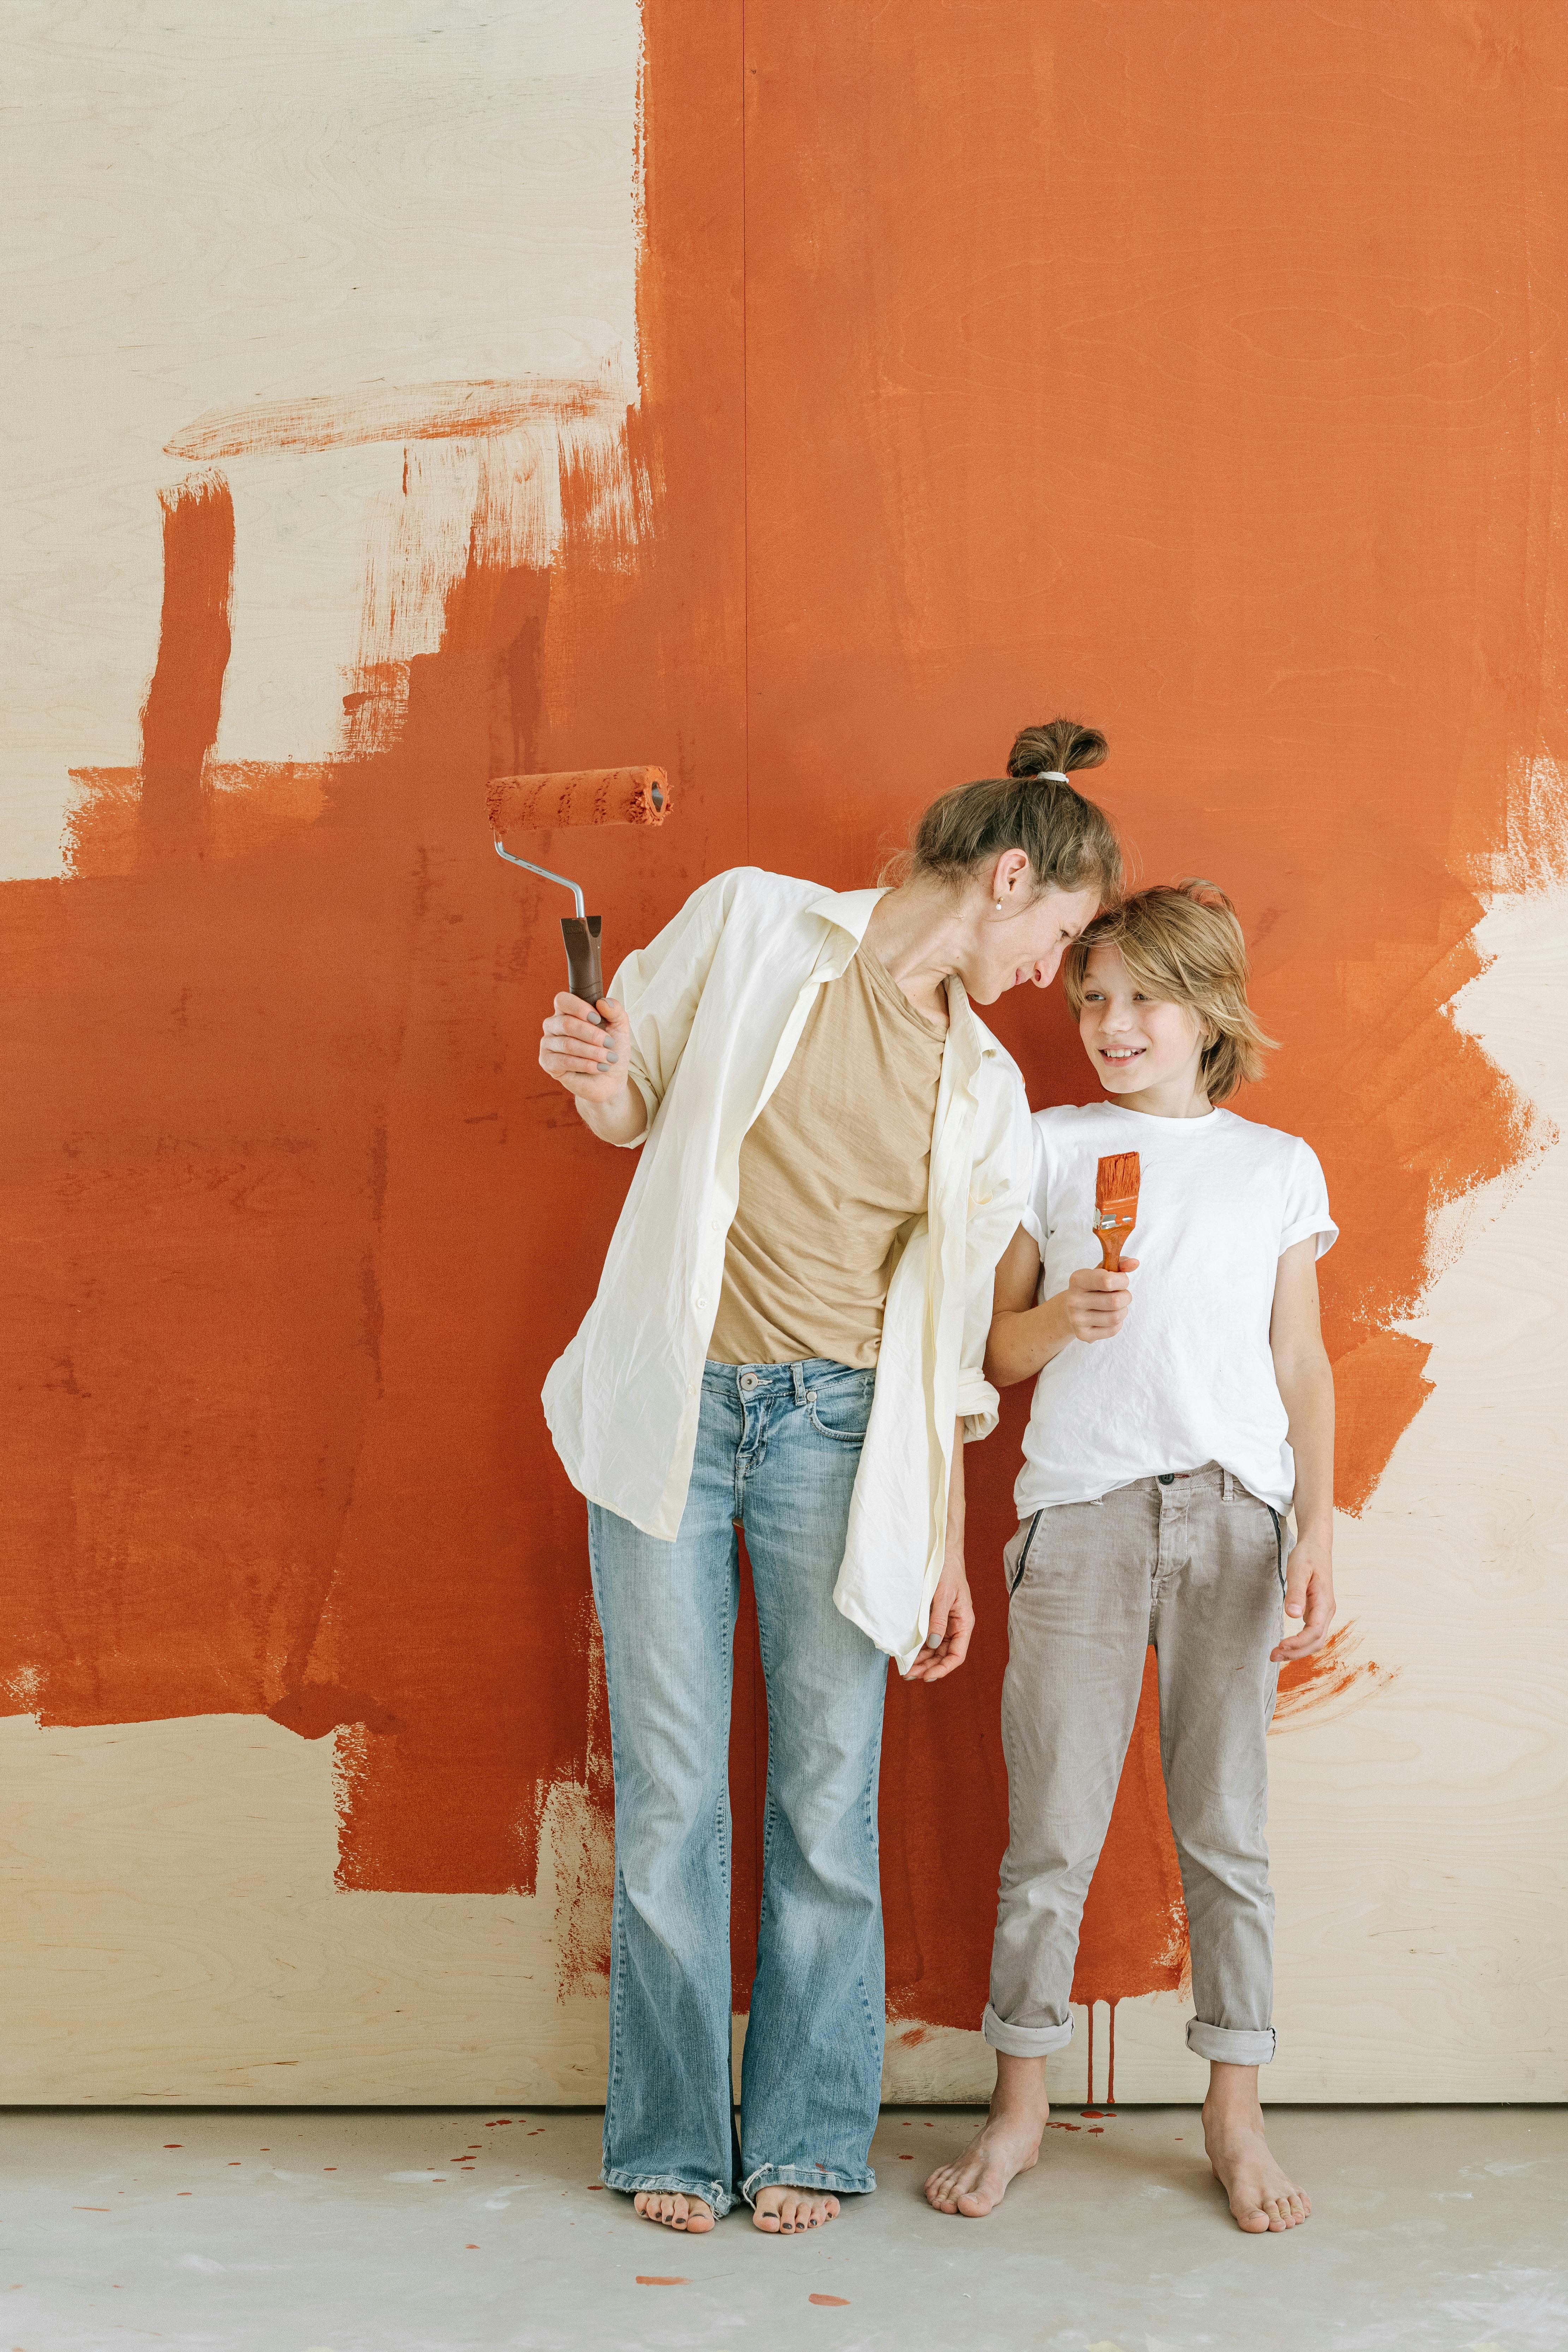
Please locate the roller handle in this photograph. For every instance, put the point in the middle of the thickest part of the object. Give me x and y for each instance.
(581, 933)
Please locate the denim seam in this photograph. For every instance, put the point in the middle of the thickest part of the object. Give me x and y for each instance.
(617, 1937)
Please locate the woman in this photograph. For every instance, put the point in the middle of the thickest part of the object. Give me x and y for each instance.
(788, 1338)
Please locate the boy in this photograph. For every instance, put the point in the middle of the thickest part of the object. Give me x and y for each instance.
(1177, 1417)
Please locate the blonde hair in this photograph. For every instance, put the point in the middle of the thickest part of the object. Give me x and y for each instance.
(1181, 942)
(1069, 841)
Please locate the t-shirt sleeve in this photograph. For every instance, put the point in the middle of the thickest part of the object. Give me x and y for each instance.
(1307, 1203)
(1035, 1215)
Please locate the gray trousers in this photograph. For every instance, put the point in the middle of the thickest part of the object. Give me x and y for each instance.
(1195, 1564)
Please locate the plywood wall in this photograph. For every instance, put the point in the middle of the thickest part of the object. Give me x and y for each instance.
(803, 405)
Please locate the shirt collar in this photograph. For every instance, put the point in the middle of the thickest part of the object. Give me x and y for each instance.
(850, 910)
(970, 1035)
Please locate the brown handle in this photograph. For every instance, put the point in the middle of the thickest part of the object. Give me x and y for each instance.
(581, 933)
(1110, 1250)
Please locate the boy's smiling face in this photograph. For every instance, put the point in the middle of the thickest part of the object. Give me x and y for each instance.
(1135, 1041)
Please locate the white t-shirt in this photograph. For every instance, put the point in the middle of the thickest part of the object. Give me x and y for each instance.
(1189, 1377)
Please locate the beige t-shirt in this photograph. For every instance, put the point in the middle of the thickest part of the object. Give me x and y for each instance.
(833, 1170)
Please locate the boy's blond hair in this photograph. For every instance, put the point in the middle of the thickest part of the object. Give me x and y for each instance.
(1182, 943)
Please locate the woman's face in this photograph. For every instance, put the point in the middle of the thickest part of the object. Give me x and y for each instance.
(1028, 945)
(1135, 1041)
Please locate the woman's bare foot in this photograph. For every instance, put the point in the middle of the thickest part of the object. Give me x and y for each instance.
(1007, 2143)
(1262, 2196)
(672, 2209)
(783, 2209)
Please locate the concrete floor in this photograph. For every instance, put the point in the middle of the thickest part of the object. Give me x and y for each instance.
(423, 2230)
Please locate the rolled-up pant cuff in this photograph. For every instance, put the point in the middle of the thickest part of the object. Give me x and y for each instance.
(860, 2183)
(1024, 2041)
(715, 2193)
(1233, 2046)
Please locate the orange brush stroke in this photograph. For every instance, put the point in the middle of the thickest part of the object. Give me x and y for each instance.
(180, 716)
(420, 412)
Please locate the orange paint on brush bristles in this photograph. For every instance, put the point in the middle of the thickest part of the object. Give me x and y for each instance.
(1115, 1205)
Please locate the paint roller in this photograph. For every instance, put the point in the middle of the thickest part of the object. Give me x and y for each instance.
(579, 796)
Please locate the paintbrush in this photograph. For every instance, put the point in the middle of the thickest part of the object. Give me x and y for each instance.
(1115, 1205)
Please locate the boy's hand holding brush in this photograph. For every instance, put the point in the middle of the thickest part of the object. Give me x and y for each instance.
(1025, 1337)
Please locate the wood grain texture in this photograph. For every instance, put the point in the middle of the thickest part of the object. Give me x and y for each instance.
(233, 208)
(294, 1309)
(173, 1934)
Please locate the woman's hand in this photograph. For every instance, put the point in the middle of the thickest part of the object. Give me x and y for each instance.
(1095, 1303)
(952, 1610)
(590, 1060)
(593, 1062)
(951, 1624)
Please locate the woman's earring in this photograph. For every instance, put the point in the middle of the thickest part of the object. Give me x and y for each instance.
(998, 906)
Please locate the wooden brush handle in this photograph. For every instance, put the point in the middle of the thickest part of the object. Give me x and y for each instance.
(1110, 1249)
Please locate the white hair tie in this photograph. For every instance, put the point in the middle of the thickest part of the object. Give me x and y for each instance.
(1050, 776)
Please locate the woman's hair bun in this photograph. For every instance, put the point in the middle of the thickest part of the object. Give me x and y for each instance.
(1060, 743)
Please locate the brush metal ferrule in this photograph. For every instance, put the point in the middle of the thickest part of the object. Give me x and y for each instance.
(545, 874)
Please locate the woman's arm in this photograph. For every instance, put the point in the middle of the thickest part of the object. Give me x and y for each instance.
(620, 1068)
(1306, 1381)
(1023, 1336)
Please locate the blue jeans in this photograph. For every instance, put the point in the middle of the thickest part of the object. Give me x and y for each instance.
(777, 1449)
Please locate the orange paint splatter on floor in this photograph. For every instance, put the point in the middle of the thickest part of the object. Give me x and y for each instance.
(838, 2301)
(648, 2278)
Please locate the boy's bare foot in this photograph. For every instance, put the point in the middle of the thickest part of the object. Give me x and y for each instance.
(674, 2211)
(1007, 2143)
(782, 2209)
(1262, 2195)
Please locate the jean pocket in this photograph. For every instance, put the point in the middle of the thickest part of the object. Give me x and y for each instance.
(839, 1405)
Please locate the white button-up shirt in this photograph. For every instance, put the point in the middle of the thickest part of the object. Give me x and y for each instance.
(717, 1004)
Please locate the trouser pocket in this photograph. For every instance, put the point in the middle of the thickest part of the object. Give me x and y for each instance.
(1015, 1559)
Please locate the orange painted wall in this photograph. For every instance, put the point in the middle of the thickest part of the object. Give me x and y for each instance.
(1197, 375)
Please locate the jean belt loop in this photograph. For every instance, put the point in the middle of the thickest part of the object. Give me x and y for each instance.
(1227, 1486)
(797, 1374)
